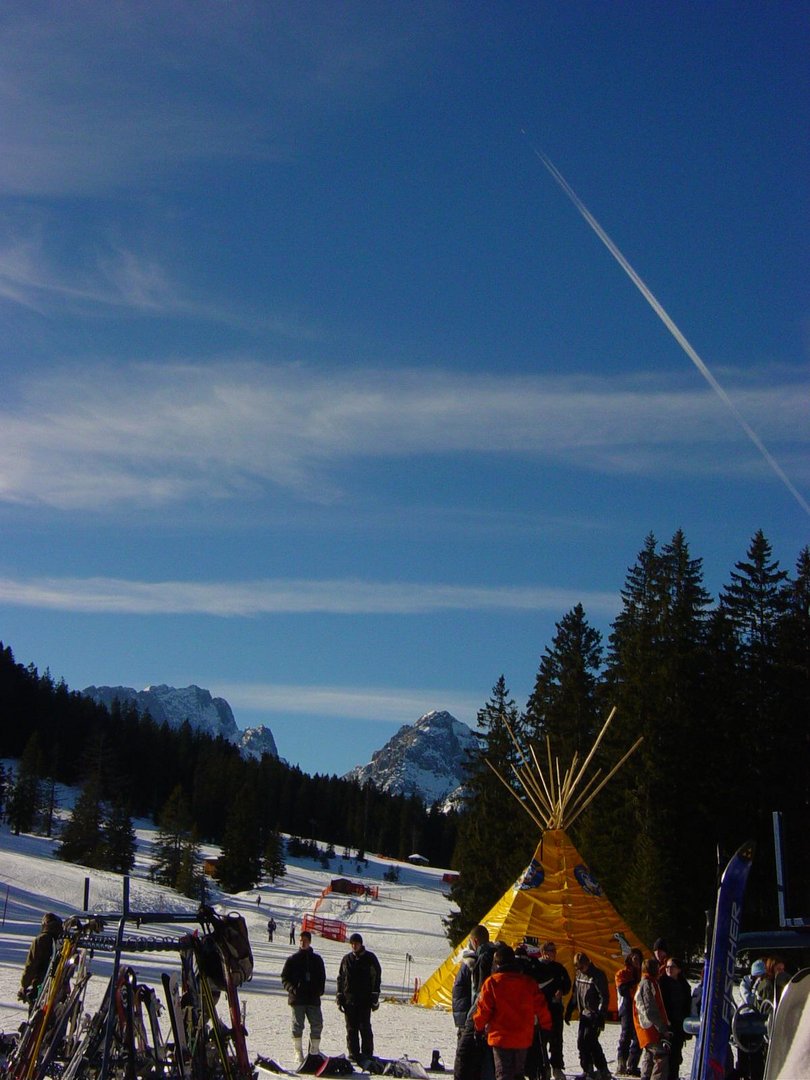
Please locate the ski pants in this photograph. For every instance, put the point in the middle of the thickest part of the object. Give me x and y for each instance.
(474, 1059)
(311, 1013)
(627, 1046)
(508, 1063)
(591, 1054)
(654, 1062)
(553, 1040)
(359, 1036)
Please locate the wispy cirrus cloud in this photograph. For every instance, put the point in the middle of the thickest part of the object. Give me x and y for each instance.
(385, 704)
(288, 597)
(97, 98)
(150, 434)
(115, 278)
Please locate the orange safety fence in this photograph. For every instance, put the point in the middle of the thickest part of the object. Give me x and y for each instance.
(333, 929)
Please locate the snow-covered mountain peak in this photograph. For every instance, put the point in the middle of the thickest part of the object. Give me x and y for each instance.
(426, 758)
(174, 705)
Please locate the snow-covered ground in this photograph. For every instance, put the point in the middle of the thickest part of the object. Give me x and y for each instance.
(403, 927)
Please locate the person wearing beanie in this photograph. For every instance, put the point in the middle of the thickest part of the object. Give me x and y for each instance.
(39, 957)
(358, 994)
(661, 954)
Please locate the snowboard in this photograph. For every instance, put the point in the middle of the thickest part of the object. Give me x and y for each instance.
(718, 1005)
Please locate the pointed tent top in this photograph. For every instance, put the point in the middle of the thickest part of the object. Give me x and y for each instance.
(555, 800)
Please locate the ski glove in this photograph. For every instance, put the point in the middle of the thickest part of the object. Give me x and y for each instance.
(375, 1002)
(341, 1002)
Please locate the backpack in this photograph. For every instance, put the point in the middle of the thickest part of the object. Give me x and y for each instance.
(229, 936)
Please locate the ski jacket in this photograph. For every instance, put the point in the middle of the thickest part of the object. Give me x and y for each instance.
(304, 977)
(590, 994)
(649, 1015)
(552, 978)
(507, 1007)
(359, 978)
(482, 966)
(626, 980)
(676, 995)
(462, 989)
(40, 952)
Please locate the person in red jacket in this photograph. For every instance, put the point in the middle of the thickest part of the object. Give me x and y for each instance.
(507, 1007)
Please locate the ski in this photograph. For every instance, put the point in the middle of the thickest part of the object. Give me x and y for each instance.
(171, 991)
(148, 999)
(87, 1051)
(717, 1004)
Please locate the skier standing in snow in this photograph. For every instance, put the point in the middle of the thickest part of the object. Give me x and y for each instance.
(628, 1052)
(506, 1009)
(472, 1056)
(590, 997)
(676, 994)
(555, 982)
(304, 978)
(271, 928)
(39, 957)
(462, 990)
(651, 1023)
(358, 994)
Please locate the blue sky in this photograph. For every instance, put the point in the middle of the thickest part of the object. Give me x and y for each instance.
(319, 392)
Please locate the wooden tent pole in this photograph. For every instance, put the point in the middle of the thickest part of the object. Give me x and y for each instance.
(599, 738)
(612, 773)
(515, 795)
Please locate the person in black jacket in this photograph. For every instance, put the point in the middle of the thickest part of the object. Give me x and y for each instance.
(358, 993)
(473, 1056)
(677, 995)
(590, 997)
(555, 982)
(304, 978)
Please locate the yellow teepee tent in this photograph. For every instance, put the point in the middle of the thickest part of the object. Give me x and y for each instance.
(556, 898)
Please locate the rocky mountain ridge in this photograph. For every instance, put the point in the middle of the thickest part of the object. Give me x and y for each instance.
(427, 759)
(174, 705)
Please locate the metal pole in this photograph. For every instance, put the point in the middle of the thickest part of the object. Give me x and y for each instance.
(779, 855)
(86, 894)
(109, 1031)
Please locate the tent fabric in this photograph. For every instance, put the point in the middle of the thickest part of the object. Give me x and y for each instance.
(558, 899)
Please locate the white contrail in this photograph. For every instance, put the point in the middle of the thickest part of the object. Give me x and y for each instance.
(673, 329)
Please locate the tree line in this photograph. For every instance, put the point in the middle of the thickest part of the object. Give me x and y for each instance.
(128, 766)
(719, 689)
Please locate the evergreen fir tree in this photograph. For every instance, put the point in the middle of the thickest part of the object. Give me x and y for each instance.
(190, 879)
(82, 837)
(174, 829)
(563, 705)
(119, 839)
(240, 865)
(655, 677)
(493, 833)
(273, 864)
(25, 798)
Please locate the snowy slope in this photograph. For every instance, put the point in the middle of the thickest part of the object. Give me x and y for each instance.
(403, 927)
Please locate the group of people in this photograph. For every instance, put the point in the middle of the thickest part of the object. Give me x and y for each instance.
(358, 995)
(509, 1013)
(654, 1000)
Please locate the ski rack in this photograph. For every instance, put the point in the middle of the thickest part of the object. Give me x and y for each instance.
(119, 944)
